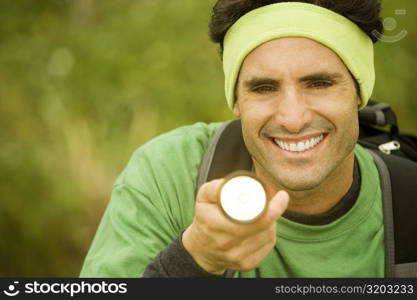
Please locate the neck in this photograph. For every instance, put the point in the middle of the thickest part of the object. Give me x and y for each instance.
(322, 198)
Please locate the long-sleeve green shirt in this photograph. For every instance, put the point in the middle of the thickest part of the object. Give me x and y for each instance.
(153, 202)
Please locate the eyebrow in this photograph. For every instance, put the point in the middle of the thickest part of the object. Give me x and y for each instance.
(257, 81)
(321, 76)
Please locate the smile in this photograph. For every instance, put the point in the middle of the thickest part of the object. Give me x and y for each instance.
(299, 146)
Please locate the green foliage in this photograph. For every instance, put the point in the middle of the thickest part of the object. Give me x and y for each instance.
(85, 82)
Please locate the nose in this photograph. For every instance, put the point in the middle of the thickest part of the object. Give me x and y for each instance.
(292, 110)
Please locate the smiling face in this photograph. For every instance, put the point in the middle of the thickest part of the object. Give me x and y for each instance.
(298, 105)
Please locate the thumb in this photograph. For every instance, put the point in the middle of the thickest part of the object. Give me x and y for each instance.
(277, 205)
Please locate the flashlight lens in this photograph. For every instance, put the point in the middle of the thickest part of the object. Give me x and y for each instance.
(243, 198)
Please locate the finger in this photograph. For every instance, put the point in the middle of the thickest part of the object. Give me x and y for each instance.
(209, 191)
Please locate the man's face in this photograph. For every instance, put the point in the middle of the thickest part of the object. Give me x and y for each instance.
(298, 105)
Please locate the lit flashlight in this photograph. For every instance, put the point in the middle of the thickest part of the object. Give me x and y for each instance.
(242, 197)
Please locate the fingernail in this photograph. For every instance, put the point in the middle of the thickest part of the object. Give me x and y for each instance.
(285, 197)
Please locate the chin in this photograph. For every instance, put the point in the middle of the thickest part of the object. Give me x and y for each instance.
(300, 183)
(299, 186)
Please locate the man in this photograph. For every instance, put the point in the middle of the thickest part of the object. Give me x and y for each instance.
(296, 74)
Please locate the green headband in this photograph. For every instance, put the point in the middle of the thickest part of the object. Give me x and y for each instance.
(295, 19)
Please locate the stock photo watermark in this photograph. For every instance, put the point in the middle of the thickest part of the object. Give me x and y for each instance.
(390, 24)
(11, 290)
(72, 289)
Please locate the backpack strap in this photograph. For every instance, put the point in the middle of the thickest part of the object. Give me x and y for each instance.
(399, 191)
(225, 153)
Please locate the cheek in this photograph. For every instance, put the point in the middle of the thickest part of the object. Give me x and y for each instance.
(338, 109)
(347, 126)
(254, 116)
(253, 122)
(349, 112)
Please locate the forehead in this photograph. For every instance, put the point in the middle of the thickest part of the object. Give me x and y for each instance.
(292, 54)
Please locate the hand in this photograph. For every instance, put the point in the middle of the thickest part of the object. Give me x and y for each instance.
(217, 243)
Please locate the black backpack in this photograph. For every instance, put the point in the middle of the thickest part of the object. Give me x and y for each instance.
(395, 156)
(377, 114)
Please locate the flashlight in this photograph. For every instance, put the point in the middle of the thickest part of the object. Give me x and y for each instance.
(242, 197)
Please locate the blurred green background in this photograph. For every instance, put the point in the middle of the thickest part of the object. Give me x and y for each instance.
(85, 82)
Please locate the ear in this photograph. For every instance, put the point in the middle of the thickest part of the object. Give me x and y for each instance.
(236, 109)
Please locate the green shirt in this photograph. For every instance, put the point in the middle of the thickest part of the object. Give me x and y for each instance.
(153, 202)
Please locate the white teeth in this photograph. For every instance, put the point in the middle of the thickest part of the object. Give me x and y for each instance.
(300, 146)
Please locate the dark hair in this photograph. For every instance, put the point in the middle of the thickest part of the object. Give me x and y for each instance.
(364, 13)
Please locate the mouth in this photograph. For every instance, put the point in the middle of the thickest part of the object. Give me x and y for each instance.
(300, 145)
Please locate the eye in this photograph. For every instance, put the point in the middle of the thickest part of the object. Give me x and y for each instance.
(320, 84)
(263, 89)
